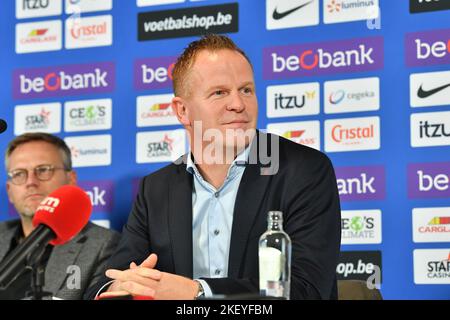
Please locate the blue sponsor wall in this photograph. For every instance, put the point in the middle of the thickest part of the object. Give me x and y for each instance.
(388, 162)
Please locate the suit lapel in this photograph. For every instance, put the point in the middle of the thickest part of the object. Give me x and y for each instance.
(6, 236)
(180, 220)
(60, 258)
(250, 197)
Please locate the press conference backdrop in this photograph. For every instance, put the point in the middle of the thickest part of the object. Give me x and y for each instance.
(369, 87)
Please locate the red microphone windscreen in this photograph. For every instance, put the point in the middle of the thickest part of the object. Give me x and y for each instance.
(66, 211)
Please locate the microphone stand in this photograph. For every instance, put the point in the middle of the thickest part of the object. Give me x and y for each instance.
(37, 266)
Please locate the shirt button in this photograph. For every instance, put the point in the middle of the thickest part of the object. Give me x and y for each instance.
(217, 272)
(216, 194)
(216, 232)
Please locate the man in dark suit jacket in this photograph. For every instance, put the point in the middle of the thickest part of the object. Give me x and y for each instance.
(38, 164)
(169, 238)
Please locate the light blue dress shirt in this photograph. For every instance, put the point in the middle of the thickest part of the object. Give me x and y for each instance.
(212, 219)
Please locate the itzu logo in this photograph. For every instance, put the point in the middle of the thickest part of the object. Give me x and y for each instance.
(153, 73)
(432, 266)
(293, 100)
(427, 48)
(37, 8)
(430, 129)
(88, 115)
(361, 227)
(64, 80)
(354, 55)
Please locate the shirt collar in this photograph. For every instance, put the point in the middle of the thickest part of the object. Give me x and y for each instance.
(239, 162)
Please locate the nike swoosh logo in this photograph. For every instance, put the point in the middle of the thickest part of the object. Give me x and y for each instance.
(277, 15)
(426, 93)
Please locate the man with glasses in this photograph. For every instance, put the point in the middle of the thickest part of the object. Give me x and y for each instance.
(37, 164)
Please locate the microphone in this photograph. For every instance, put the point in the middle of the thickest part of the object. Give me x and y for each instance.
(58, 218)
(3, 125)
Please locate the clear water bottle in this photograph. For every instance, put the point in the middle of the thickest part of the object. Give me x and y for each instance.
(275, 258)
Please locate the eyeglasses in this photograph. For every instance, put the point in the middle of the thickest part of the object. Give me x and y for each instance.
(43, 173)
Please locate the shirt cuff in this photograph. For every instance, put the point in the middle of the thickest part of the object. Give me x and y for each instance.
(206, 288)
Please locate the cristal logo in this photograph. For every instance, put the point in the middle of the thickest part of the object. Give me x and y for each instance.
(38, 121)
(78, 30)
(352, 135)
(323, 58)
(160, 149)
(65, 80)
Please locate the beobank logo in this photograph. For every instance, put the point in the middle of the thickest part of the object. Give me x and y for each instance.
(344, 56)
(427, 48)
(63, 80)
(153, 73)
